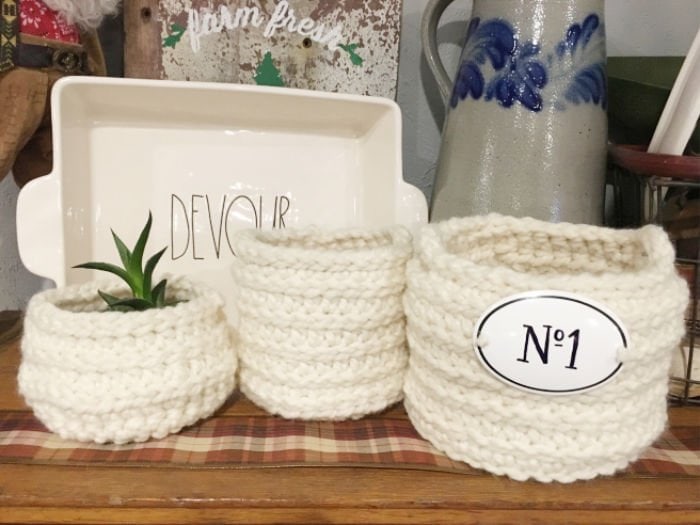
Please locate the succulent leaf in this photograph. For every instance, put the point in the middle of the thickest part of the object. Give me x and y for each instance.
(137, 255)
(107, 267)
(108, 298)
(135, 275)
(148, 274)
(132, 303)
(124, 253)
(159, 293)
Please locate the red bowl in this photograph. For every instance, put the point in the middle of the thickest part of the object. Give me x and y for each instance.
(637, 160)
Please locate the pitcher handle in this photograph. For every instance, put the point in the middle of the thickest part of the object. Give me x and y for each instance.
(431, 17)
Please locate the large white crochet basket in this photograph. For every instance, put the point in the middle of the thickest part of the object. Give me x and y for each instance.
(100, 376)
(322, 328)
(465, 265)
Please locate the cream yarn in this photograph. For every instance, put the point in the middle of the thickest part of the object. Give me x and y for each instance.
(322, 328)
(465, 265)
(118, 377)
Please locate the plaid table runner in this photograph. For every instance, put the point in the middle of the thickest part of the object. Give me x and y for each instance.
(250, 441)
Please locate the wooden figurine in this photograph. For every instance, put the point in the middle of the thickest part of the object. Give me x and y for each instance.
(40, 42)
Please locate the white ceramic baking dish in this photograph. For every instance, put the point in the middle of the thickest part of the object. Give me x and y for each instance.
(206, 159)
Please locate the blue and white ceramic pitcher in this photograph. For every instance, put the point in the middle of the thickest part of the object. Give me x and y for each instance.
(526, 128)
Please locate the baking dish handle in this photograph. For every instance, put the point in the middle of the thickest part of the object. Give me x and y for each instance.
(411, 206)
(40, 228)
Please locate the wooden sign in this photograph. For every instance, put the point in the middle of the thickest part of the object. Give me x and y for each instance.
(347, 46)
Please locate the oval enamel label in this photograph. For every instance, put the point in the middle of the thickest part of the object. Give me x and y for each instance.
(550, 342)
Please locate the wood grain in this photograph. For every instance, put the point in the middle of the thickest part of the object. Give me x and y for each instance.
(348, 516)
(335, 495)
(142, 49)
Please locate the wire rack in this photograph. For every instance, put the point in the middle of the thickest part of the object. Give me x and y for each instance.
(665, 190)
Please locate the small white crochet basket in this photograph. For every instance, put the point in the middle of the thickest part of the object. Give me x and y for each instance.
(321, 322)
(119, 377)
(465, 265)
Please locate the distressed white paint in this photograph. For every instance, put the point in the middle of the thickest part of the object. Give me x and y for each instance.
(204, 22)
(210, 22)
(284, 18)
(210, 50)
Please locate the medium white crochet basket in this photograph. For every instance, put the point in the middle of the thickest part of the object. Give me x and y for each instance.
(465, 265)
(321, 322)
(118, 377)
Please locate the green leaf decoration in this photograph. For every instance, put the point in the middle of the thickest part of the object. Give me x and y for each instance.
(176, 32)
(354, 57)
(138, 278)
(267, 73)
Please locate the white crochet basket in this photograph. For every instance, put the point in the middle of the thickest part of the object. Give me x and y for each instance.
(321, 322)
(465, 265)
(118, 377)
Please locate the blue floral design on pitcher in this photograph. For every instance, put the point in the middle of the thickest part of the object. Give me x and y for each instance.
(521, 74)
(522, 81)
(577, 63)
(492, 41)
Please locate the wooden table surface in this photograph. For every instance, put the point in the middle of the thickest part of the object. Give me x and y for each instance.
(107, 494)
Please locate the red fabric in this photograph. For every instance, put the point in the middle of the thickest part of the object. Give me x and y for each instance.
(235, 441)
(36, 19)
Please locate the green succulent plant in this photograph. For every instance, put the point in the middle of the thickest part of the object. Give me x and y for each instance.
(139, 278)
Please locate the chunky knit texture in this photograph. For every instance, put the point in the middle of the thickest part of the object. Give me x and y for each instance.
(321, 322)
(117, 377)
(465, 265)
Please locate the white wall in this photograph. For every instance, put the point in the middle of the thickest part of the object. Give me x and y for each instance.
(634, 27)
(16, 283)
(651, 27)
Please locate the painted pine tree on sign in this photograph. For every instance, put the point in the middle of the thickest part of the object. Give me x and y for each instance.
(267, 74)
(349, 46)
